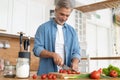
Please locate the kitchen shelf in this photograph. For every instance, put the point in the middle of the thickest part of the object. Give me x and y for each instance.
(2, 30)
(103, 58)
(13, 36)
(99, 5)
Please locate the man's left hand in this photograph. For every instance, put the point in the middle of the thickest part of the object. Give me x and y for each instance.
(74, 64)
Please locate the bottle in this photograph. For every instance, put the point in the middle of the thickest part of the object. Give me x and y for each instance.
(23, 65)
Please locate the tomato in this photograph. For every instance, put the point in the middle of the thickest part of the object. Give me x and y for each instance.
(113, 73)
(73, 72)
(54, 77)
(69, 71)
(43, 76)
(50, 76)
(34, 76)
(60, 71)
(100, 70)
(95, 75)
(64, 71)
(77, 72)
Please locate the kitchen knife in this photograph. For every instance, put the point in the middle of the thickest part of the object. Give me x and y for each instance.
(28, 44)
(66, 67)
(21, 35)
(25, 45)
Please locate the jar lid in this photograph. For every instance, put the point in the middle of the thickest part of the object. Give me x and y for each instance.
(24, 55)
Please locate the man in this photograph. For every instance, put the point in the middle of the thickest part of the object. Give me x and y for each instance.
(56, 42)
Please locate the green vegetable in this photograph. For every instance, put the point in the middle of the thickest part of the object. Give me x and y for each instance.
(104, 76)
(80, 76)
(107, 70)
(87, 76)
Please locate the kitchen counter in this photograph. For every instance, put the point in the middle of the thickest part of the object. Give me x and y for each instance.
(30, 78)
(34, 72)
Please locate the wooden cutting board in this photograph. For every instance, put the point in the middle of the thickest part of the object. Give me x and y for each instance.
(63, 75)
(68, 76)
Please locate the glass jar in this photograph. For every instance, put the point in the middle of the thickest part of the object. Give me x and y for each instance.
(9, 71)
(22, 68)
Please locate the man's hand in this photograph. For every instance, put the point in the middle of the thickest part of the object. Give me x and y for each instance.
(74, 64)
(57, 59)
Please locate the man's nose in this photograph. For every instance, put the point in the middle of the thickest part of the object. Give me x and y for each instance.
(65, 18)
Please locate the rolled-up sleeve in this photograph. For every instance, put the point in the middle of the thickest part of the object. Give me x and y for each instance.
(38, 41)
(76, 48)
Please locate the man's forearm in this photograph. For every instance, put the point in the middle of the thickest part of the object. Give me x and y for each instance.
(46, 54)
(75, 60)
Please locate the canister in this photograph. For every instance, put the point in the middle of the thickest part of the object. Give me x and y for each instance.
(9, 71)
(23, 65)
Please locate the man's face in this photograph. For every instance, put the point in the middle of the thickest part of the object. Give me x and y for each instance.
(61, 15)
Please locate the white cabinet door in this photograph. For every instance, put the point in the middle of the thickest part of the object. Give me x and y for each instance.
(19, 16)
(3, 15)
(36, 16)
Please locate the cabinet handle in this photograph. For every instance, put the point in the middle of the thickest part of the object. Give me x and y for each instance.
(2, 30)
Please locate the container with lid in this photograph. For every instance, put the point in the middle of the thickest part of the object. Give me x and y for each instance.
(9, 71)
(23, 65)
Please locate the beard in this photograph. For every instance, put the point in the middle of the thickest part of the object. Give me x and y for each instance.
(60, 21)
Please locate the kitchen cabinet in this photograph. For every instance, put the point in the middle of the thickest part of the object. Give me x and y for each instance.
(4, 15)
(19, 16)
(35, 16)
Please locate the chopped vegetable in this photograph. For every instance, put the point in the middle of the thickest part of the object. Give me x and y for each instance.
(80, 76)
(107, 70)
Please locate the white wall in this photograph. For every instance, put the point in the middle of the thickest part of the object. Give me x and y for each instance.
(98, 38)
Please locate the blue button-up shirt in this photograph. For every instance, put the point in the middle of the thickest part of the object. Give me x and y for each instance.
(45, 39)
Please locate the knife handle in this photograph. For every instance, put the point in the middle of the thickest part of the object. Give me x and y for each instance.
(21, 35)
(25, 45)
(28, 44)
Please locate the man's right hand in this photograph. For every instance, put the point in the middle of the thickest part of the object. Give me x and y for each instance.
(57, 59)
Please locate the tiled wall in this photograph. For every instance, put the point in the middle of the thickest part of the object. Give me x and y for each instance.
(11, 53)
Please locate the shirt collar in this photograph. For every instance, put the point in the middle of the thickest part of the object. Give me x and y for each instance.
(52, 19)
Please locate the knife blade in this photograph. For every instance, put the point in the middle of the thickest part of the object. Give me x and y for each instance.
(66, 67)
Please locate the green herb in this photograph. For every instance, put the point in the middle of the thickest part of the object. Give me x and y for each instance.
(81, 76)
(107, 70)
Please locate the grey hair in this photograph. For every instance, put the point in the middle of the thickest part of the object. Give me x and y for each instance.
(65, 4)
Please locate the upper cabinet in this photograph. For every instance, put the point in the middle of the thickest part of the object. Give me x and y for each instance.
(19, 16)
(35, 16)
(26, 15)
(3, 15)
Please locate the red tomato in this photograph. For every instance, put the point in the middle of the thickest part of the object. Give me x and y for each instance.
(50, 76)
(95, 75)
(60, 71)
(69, 71)
(73, 72)
(77, 72)
(43, 76)
(54, 77)
(64, 71)
(113, 73)
(100, 70)
(34, 76)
